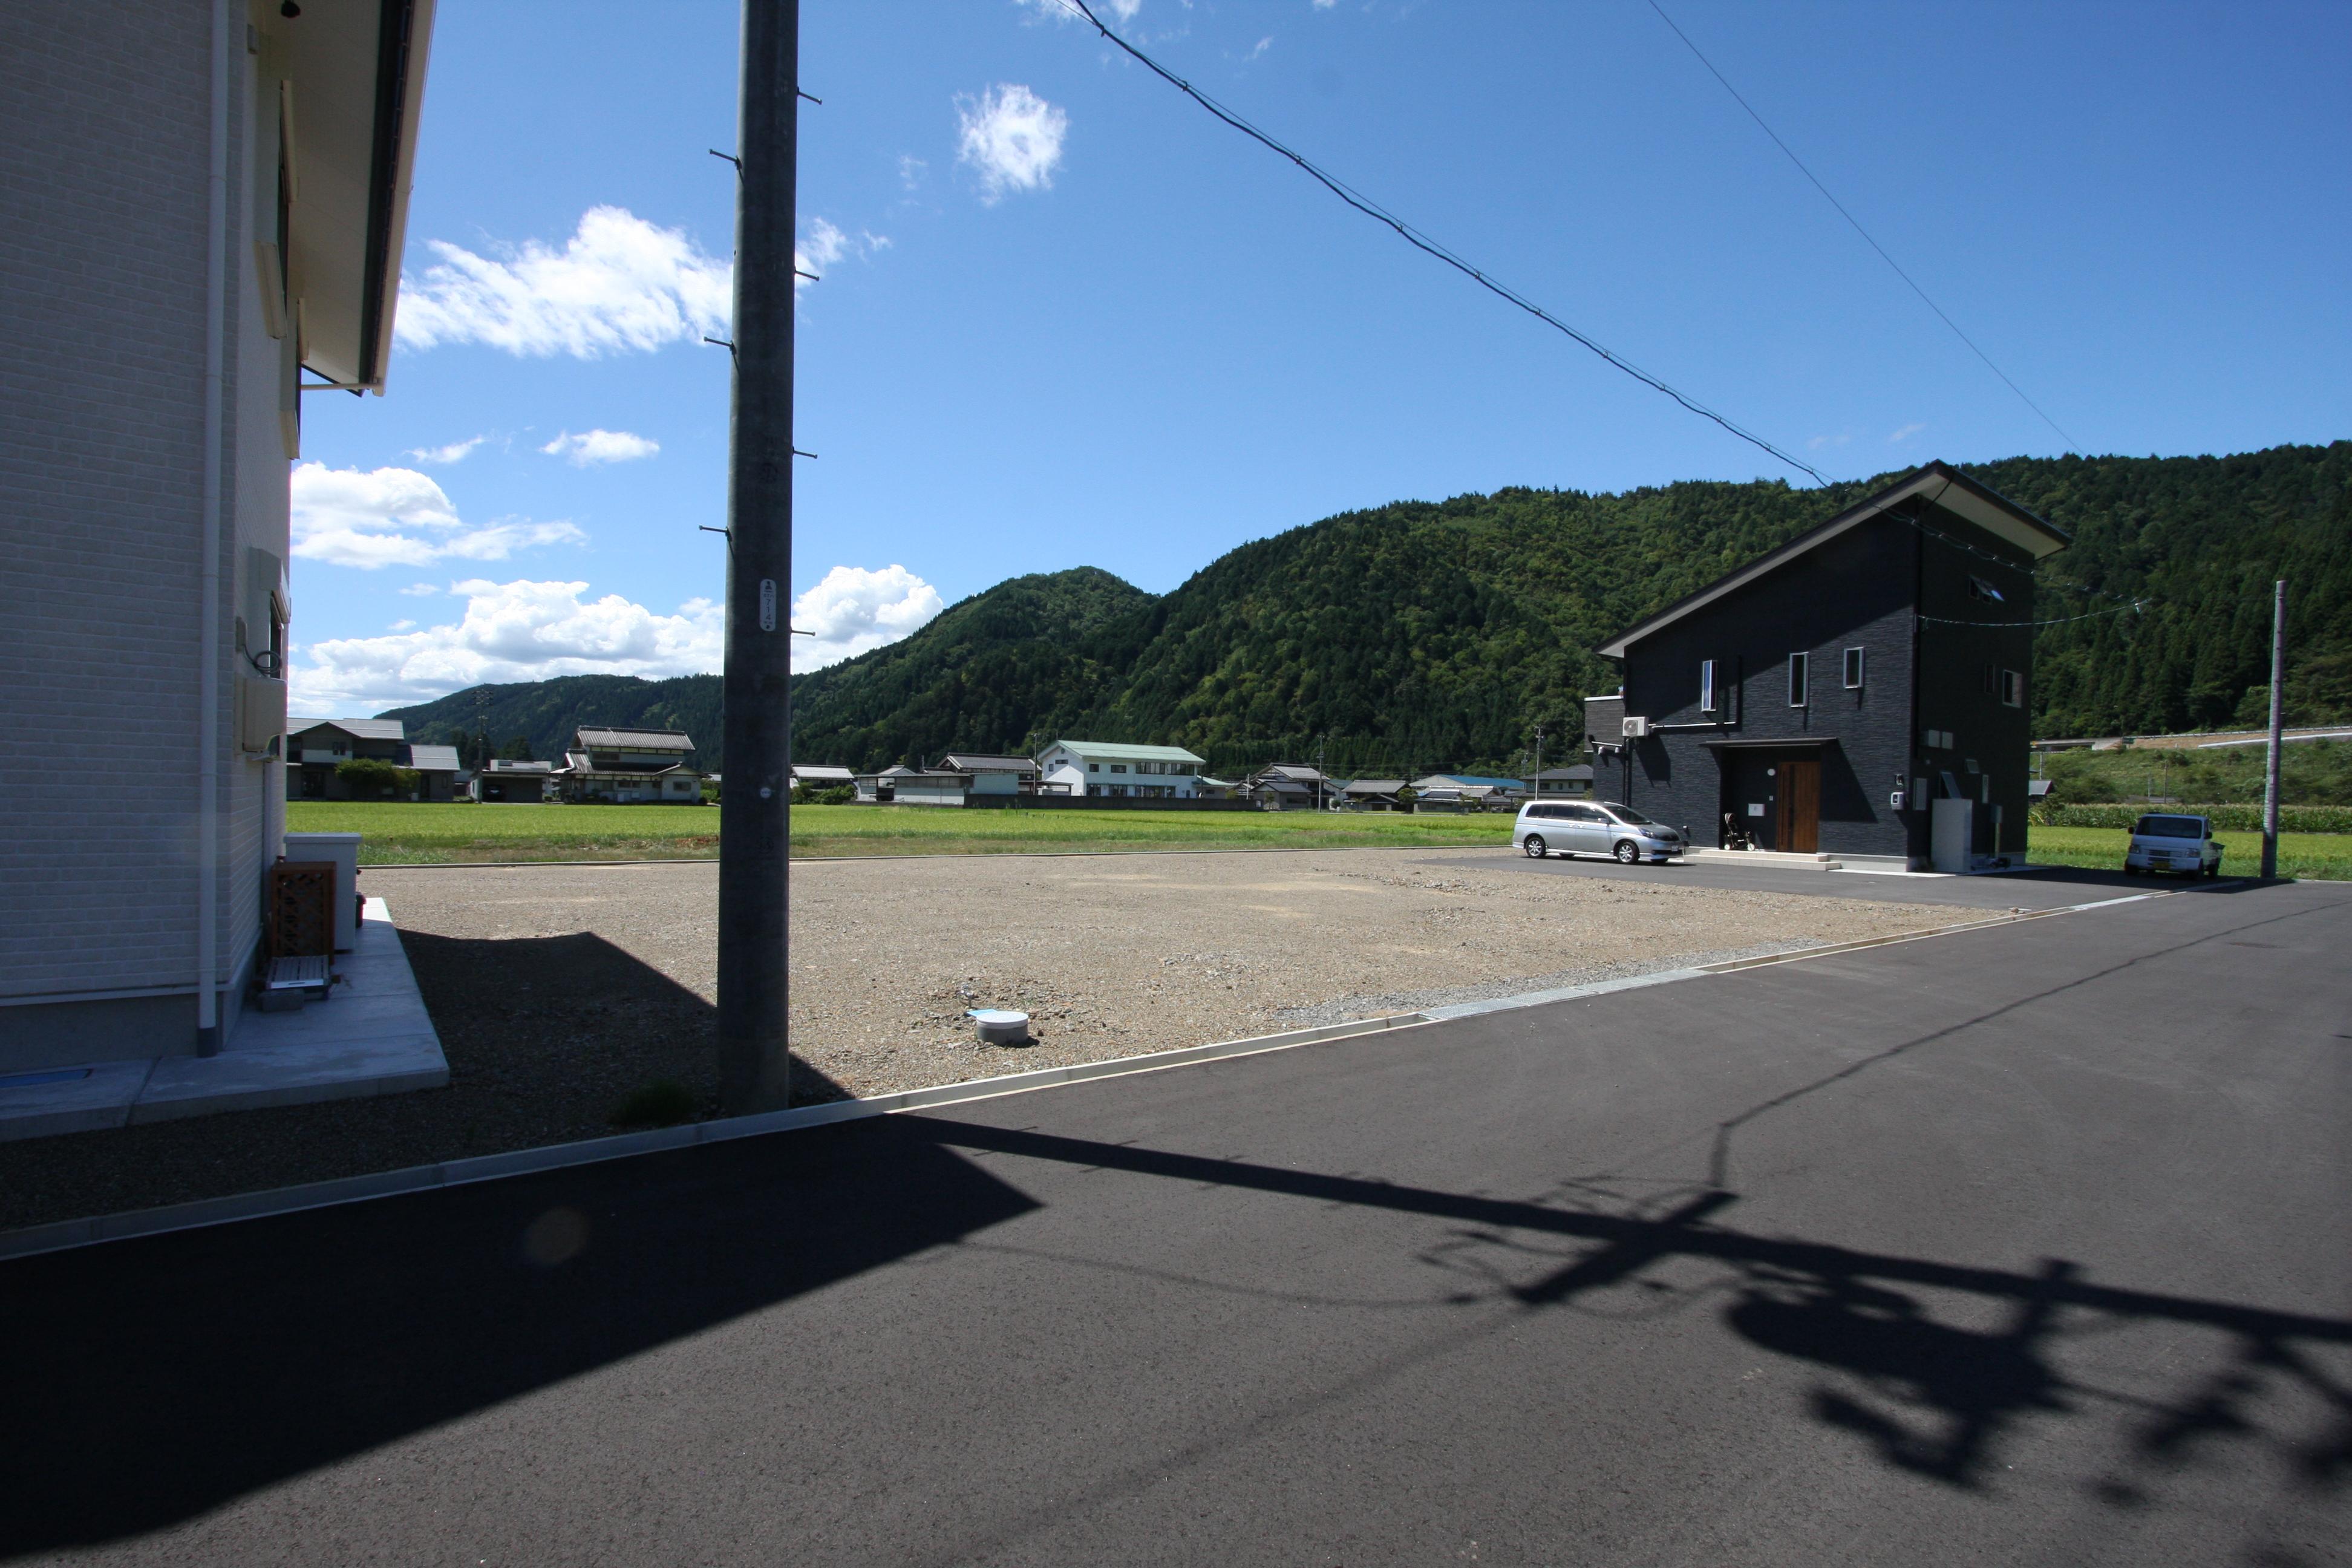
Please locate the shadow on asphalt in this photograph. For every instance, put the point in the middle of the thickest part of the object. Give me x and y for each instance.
(152, 1381)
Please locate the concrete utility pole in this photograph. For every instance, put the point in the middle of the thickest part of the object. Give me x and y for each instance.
(2270, 769)
(754, 1065)
(1537, 782)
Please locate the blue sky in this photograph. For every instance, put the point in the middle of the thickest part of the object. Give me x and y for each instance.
(1066, 318)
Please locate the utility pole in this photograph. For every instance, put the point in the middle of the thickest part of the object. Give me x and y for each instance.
(754, 821)
(1537, 780)
(2278, 713)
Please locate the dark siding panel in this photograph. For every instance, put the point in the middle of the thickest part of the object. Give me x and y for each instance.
(1952, 662)
(1856, 591)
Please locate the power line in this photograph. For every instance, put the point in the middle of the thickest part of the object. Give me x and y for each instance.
(2072, 444)
(2062, 620)
(1421, 241)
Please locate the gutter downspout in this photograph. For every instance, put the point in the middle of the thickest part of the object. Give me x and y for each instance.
(208, 685)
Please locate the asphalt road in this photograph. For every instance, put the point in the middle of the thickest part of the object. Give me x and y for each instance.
(2027, 1245)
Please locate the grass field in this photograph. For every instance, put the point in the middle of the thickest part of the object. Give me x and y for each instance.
(2320, 855)
(409, 834)
(399, 834)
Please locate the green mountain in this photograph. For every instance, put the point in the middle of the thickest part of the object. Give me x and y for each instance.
(1421, 636)
(543, 713)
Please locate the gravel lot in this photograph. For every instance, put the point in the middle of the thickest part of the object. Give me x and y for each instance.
(559, 989)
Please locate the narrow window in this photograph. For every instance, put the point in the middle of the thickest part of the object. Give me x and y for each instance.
(2012, 688)
(1707, 686)
(1797, 679)
(1854, 669)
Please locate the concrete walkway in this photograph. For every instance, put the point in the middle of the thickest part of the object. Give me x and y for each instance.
(371, 1036)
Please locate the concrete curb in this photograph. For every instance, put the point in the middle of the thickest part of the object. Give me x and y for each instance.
(68, 1233)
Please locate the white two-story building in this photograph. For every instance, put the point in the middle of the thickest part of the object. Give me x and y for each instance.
(1106, 770)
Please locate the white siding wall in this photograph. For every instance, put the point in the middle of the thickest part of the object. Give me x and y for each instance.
(104, 143)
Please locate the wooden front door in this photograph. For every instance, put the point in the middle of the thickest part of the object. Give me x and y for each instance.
(1801, 805)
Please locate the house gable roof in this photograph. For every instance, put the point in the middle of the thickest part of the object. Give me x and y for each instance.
(969, 760)
(1110, 751)
(1942, 485)
(357, 728)
(433, 759)
(601, 739)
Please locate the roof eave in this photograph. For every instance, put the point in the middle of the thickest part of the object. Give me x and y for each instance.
(1989, 510)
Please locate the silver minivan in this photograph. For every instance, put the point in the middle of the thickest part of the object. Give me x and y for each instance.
(1594, 828)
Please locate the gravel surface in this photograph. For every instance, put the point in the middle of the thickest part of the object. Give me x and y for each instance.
(559, 990)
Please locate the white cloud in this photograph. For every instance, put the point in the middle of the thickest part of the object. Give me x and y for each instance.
(1904, 433)
(912, 170)
(1841, 438)
(1263, 45)
(421, 590)
(510, 632)
(600, 446)
(1012, 138)
(455, 452)
(402, 626)
(1054, 10)
(618, 284)
(398, 517)
(852, 610)
(1325, 5)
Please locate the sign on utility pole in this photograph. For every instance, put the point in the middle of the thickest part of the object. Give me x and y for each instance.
(2271, 768)
(754, 1067)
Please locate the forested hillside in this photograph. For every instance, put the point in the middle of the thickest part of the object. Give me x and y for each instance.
(542, 714)
(1420, 635)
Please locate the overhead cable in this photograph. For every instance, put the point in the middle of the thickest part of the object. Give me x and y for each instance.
(1421, 241)
(2072, 444)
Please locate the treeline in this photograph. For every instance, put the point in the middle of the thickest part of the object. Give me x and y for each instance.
(1426, 636)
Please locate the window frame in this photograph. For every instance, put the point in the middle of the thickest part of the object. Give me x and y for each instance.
(1801, 680)
(1708, 695)
(1852, 668)
(2012, 688)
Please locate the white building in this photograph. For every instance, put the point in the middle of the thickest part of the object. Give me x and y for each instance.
(1146, 773)
(903, 786)
(204, 203)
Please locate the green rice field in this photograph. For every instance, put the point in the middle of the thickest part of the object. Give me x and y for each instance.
(2318, 855)
(409, 834)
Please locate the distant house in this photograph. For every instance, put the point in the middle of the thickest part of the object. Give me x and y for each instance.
(1861, 691)
(819, 776)
(623, 766)
(903, 786)
(1482, 786)
(436, 771)
(316, 747)
(512, 782)
(1114, 771)
(993, 775)
(1290, 786)
(1573, 779)
(1379, 795)
(1277, 793)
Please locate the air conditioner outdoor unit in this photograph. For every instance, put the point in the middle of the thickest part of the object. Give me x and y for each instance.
(1636, 727)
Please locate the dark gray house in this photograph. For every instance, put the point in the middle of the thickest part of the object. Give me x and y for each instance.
(1861, 690)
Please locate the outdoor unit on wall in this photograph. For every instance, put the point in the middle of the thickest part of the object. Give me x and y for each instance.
(1636, 727)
